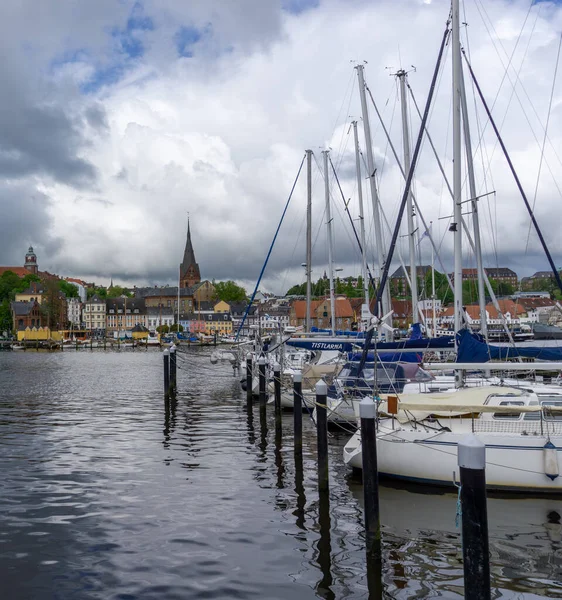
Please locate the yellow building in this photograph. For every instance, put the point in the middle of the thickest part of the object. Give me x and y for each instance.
(221, 307)
(41, 334)
(34, 292)
(219, 323)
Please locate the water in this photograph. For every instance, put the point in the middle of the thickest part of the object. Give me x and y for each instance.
(106, 494)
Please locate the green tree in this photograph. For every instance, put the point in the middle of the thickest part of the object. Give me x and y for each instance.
(5, 317)
(101, 292)
(174, 327)
(297, 290)
(69, 290)
(117, 290)
(229, 291)
(163, 329)
(53, 305)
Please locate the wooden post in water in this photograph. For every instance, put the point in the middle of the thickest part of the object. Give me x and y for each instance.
(166, 354)
(262, 381)
(173, 371)
(471, 454)
(297, 411)
(249, 379)
(368, 413)
(277, 386)
(322, 434)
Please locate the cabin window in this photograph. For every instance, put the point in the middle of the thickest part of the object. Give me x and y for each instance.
(509, 416)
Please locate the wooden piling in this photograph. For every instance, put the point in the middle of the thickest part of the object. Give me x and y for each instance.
(368, 413)
(475, 547)
(277, 387)
(166, 355)
(297, 412)
(322, 434)
(249, 379)
(262, 381)
(173, 371)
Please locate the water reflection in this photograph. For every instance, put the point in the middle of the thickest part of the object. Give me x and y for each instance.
(324, 547)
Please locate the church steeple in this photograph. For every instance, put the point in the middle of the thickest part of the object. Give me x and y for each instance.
(31, 261)
(189, 269)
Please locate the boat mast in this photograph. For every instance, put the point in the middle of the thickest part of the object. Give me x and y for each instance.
(474, 200)
(381, 254)
(361, 213)
(456, 226)
(409, 206)
(308, 236)
(434, 320)
(330, 243)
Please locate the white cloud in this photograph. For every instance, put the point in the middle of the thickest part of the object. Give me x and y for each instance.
(222, 133)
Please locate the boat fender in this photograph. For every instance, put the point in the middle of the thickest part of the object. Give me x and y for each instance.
(550, 460)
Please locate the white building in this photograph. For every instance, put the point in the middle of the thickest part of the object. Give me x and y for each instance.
(74, 309)
(81, 288)
(93, 315)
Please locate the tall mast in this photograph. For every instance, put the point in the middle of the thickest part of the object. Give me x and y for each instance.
(409, 206)
(361, 213)
(381, 253)
(330, 243)
(456, 226)
(475, 219)
(434, 320)
(308, 236)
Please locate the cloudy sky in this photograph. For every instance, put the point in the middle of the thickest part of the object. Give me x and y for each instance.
(118, 118)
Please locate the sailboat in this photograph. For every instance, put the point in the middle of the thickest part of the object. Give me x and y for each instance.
(521, 425)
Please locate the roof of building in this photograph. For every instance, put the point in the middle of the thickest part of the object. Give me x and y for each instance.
(131, 304)
(402, 308)
(535, 302)
(189, 256)
(78, 281)
(239, 308)
(421, 270)
(343, 307)
(19, 271)
(21, 309)
(156, 311)
(164, 291)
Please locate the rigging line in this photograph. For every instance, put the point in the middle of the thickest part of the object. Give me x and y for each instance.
(514, 92)
(517, 181)
(346, 205)
(544, 139)
(414, 160)
(270, 250)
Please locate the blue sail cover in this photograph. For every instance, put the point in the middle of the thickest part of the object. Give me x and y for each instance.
(471, 349)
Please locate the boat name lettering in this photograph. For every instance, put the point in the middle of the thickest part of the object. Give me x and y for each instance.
(325, 346)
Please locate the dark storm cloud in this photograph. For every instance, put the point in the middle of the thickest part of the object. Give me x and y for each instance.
(24, 221)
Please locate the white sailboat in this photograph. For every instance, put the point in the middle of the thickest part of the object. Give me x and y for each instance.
(521, 426)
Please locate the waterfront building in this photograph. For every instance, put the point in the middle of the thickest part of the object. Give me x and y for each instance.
(122, 314)
(74, 312)
(93, 315)
(80, 285)
(35, 292)
(157, 316)
(320, 313)
(26, 314)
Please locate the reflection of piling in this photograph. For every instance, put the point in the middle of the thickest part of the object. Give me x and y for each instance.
(324, 546)
(476, 557)
(277, 387)
(173, 371)
(322, 434)
(249, 380)
(166, 354)
(262, 381)
(297, 411)
(368, 413)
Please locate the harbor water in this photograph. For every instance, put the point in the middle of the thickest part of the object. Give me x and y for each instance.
(108, 492)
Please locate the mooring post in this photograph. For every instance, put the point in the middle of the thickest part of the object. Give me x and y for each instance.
(297, 411)
(322, 434)
(262, 381)
(166, 354)
(476, 557)
(249, 379)
(368, 415)
(173, 370)
(277, 386)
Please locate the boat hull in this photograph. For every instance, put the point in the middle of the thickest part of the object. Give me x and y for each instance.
(512, 463)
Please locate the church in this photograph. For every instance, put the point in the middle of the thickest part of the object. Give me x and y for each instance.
(189, 269)
(30, 266)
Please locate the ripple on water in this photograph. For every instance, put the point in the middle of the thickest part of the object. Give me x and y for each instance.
(108, 492)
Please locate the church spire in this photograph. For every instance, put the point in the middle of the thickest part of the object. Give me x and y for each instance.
(189, 269)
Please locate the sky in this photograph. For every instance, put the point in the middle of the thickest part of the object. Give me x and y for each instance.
(118, 119)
